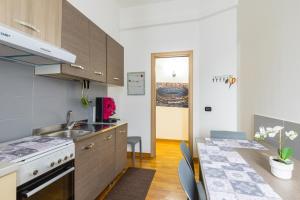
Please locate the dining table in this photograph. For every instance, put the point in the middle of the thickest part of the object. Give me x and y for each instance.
(239, 170)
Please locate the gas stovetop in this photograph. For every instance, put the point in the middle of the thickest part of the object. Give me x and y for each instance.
(29, 147)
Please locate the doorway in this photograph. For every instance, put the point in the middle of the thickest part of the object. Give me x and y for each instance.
(172, 97)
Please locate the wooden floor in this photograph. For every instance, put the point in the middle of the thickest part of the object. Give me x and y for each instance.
(166, 183)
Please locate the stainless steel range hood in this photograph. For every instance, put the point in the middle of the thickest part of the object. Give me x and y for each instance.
(19, 47)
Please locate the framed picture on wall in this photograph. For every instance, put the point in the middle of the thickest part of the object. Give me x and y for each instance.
(136, 83)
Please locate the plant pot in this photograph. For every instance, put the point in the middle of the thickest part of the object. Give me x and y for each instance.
(281, 170)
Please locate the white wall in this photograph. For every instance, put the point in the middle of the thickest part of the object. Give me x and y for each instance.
(213, 38)
(269, 36)
(172, 123)
(165, 67)
(104, 13)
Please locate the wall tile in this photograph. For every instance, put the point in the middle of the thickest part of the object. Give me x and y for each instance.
(28, 101)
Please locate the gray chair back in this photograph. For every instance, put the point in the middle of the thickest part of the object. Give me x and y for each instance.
(187, 156)
(228, 135)
(187, 180)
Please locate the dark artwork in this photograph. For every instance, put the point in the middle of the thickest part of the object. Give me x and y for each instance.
(172, 95)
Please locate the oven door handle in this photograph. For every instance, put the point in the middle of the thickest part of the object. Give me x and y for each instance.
(39, 188)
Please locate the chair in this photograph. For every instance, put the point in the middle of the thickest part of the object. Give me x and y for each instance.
(192, 190)
(133, 140)
(228, 135)
(187, 156)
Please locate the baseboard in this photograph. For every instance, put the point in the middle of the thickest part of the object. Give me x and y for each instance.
(137, 155)
(170, 140)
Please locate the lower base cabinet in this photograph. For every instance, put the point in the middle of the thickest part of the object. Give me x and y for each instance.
(98, 161)
(8, 186)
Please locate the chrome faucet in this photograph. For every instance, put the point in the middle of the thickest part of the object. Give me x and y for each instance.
(69, 125)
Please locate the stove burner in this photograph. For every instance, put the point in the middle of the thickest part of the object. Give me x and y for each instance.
(43, 140)
(22, 152)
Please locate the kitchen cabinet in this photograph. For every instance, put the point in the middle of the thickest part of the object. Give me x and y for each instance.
(115, 62)
(75, 38)
(98, 161)
(93, 165)
(97, 39)
(99, 57)
(121, 149)
(38, 18)
(8, 185)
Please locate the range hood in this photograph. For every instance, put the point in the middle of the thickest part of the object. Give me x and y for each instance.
(19, 47)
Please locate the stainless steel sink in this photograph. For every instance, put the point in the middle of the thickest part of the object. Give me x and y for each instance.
(69, 133)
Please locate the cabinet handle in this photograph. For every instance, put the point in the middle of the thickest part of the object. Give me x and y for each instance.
(108, 138)
(27, 25)
(99, 73)
(77, 66)
(122, 131)
(116, 79)
(88, 147)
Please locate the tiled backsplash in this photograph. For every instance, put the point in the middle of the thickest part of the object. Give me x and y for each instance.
(29, 101)
(271, 122)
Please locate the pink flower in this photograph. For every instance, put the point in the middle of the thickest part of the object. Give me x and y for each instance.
(109, 107)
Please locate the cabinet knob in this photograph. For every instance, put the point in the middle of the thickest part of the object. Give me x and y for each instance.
(66, 158)
(88, 147)
(52, 164)
(108, 138)
(59, 161)
(99, 73)
(71, 155)
(35, 172)
(77, 66)
(27, 25)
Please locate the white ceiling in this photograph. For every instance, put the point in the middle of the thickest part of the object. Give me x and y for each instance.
(129, 3)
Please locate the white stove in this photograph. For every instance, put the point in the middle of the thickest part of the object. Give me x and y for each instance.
(37, 155)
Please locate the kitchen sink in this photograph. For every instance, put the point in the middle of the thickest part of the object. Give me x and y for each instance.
(69, 133)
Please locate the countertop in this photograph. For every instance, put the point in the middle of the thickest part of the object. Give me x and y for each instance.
(7, 168)
(95, 129)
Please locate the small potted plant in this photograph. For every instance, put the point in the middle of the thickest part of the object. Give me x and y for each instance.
(281, 166)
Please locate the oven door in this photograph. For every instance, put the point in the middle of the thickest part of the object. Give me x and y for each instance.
(57, 184)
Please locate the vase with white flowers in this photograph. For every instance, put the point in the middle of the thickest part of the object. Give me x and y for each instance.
(281, 166)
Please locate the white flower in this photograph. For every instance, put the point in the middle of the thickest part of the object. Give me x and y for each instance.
(257, 135)
(291, 134)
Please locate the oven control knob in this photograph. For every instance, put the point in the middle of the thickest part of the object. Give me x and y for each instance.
(71, 155)
(35, 172)
(52, 164)
(66, 157)
(59, 161)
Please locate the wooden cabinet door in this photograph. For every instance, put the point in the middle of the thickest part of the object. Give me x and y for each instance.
(46, 16)
(121, 149)
(75, 38)
(38, 18)
(86, 169)
(107, 159)
(94, 165)
(115, 62)
(97, 53)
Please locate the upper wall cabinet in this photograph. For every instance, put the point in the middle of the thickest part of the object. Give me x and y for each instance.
(115, 62)
(99, 57)
(75, 38)
(97, 53)
(39, 18)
